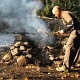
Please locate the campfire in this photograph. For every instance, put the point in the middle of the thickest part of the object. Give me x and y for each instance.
(24, 53)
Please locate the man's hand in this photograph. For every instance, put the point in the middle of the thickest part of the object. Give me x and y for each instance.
(61, 32)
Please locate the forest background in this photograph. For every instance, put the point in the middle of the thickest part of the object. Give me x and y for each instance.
(70, 5)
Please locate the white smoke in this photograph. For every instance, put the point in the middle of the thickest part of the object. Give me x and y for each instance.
(20, 16)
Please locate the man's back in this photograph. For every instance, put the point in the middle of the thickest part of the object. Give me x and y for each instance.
(68, 16)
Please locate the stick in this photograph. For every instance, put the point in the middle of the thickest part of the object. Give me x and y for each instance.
(46, 18)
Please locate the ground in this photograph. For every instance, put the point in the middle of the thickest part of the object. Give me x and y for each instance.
(34, 72)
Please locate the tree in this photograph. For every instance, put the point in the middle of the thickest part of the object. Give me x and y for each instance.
(70, 5)
(46, 11)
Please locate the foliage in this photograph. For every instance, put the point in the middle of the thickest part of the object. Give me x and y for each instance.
(70, 5)
(46, 11)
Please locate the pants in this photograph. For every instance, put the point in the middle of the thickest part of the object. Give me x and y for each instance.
(71, 49)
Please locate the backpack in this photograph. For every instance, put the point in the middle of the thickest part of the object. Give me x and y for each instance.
(76, 20)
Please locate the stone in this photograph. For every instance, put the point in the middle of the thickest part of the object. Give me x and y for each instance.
(18, 37)
(22, 61)
(25, 52)
(51, 57)
(12, 47)
(26, 43)
(18, 44)
(7, 57)
(29, 50)
(22, 48)
(15, 51)
(29, 56)
(16, 57)
(61, 56)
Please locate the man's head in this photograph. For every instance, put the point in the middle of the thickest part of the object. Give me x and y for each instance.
(56, 11)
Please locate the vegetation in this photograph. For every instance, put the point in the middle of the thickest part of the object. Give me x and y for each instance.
(71, 5)
(46, 11)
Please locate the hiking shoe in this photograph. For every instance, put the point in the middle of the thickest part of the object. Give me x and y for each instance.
(73, 65)
(62, 68)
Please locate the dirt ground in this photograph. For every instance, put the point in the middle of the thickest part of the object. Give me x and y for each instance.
(34, 72)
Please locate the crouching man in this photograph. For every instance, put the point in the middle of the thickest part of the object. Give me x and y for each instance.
(72, 26)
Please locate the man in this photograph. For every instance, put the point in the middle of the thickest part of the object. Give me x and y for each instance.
(72, 25)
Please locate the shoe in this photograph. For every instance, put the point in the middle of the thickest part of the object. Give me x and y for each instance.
(73, 65)
(62, 68)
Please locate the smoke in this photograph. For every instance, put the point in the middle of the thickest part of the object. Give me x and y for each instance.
(20, 16)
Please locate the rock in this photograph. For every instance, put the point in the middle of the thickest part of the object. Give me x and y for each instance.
(26, 43)
(22, 61)
(29, 56)
(12, 47)
(22, 48)
(18, 37)
(15, 51)
(16, 57)
(25, 52)
(18, 44)
(7, 57)
(29, 50)
(51, 57)
(61, 57)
